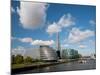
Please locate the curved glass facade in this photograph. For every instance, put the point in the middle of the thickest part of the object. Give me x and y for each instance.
(47, 53)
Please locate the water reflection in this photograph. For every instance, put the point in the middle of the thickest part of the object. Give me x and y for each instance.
(47, 68)
(90, 64)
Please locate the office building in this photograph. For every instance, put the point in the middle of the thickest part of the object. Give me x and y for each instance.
(47, 53)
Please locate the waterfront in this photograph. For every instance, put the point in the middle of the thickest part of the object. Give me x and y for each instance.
(71, 66)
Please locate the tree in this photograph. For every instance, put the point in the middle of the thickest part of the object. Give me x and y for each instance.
(19, 59)
(28, 60)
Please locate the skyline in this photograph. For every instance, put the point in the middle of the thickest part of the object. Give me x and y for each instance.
(75, 24)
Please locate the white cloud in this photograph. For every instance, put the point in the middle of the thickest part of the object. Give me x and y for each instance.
(64, 21)
(41, 42)
(92, 22)
(53, 28)
(33, 42)
(26, 40)
(19, 48)
(76, 35)
(32, 15)
(92, 42)
(12, 10)
(64, 45)
(82, 46)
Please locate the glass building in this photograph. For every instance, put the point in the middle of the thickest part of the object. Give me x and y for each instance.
(47, 53)
(69, 53)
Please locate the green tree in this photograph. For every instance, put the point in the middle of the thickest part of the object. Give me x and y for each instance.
(28, 60)
(19, 59)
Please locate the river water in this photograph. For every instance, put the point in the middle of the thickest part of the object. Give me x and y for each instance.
(72, 66)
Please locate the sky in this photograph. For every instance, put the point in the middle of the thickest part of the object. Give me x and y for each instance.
(34, 24)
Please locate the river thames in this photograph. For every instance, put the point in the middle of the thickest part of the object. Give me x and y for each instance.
(71, 66)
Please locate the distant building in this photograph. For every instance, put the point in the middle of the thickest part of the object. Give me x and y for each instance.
(93, 56)
(69, 53)
(47, 53)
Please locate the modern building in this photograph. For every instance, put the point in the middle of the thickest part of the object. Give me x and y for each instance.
(47, 53)
(93, 56)
(69, 53)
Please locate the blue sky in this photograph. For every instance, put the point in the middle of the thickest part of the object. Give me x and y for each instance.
(75, 24)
